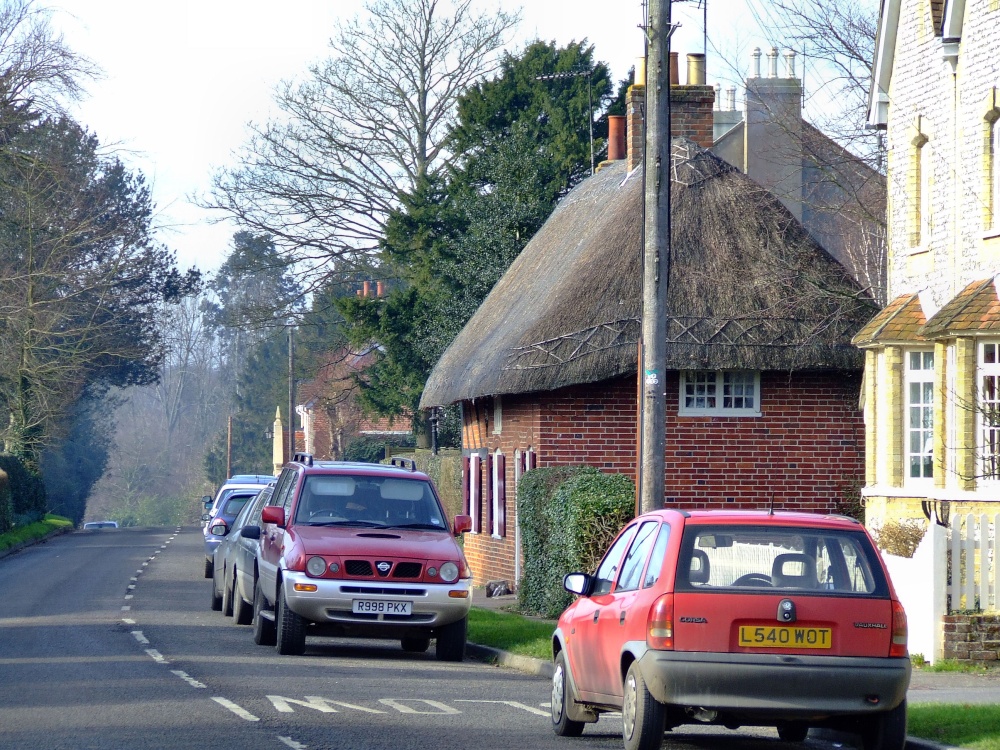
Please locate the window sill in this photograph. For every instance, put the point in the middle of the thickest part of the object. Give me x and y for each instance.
(918, 250)
(715, 414)
(991, 234)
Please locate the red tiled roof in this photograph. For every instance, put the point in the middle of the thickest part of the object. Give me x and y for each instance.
(900, 321)
(975, 309)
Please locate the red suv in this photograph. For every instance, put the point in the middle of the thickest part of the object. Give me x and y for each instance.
(735, 618)
(359, 550)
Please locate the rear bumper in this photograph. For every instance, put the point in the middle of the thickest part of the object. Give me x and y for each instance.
(433, 605)
(776, 686)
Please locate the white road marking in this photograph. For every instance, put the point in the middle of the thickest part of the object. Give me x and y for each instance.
(400, 706)
(238, 710)
(188, 678)
(512, 704)
(292, 743)
(156, 656)
(126, 608)
(128, 596)
(137, 634)
(131, 586)
(323, 705)
(127, 621)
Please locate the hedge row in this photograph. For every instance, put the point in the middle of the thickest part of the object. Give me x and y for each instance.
(569, 515)
(22, 494)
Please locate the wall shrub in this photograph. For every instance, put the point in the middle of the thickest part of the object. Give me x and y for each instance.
(569, 515)
(22, 494)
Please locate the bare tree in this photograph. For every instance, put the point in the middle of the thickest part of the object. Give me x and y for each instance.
(362, 129)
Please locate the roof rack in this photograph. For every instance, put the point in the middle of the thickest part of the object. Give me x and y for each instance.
(404, 463)
(303, 458)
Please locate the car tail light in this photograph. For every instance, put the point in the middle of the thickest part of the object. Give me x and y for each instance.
(898, 646)
(660, 624)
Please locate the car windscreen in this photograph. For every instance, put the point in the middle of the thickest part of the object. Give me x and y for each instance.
(803, 559)
(369, 501)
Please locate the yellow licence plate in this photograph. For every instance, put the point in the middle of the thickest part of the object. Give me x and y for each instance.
(782, 636)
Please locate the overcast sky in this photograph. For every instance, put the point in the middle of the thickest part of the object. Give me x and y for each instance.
(183, 77)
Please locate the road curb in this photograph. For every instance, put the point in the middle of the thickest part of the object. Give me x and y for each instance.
(526, 664)
(32, 542)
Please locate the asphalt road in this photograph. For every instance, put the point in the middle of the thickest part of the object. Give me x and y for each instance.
(107, 641)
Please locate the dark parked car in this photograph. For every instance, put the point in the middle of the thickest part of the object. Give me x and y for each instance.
(222, 519)
(786, 620)
(233, 552)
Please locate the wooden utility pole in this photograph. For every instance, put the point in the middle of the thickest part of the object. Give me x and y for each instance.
(291, 391)
(656, 259)
(229, 447)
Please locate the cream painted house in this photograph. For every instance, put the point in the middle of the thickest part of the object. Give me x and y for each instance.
(932, 373)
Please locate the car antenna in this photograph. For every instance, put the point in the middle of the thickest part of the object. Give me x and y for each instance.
(770, 510)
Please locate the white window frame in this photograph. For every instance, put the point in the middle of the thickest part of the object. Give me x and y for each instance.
(475, 501)
(995, 174)
(495, 495)
(923, 377)
(987, 462)
(704, 393)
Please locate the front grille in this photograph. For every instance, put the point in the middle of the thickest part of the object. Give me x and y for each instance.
(372, 590)
(407, 570)
(358, 568)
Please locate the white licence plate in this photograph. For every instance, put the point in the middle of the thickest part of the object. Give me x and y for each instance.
(381, 607)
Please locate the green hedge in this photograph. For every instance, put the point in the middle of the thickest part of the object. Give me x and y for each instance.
(22, 494)
(569, 515)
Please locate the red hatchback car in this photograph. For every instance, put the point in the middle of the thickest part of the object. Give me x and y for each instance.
(739, 619)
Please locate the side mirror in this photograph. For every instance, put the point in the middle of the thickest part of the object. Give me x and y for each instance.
(250, 532)
(207, 502)
(220, 528)
(462, 524)
(273, 514)
(205, 517)
(580, 584)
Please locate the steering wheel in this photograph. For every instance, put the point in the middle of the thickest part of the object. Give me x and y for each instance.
(753, 579)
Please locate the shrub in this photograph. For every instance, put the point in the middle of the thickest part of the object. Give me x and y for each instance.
(569, 515)
(22, 494)
(900, 538)
(371, 449)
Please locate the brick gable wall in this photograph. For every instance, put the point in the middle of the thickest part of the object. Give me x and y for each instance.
(807, 448)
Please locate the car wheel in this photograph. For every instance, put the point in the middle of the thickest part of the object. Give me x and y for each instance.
(242, 609)
(451, 641)
(216, 598)
(263, 629)
(291, 628)
(792, 732)
(886, 731)
(561, 724)
(227, 600)
(643, 717)
(209, 568)
(415, 645)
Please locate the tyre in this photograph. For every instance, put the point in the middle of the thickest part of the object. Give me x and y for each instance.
(242, 609)
(227, 600)
(886, 731)
(451, 641)
(561, 724)
(792, 731)
(209, 568)
(642, 715)
(290, 628)
(216, 599)
(263, 629)
(415, 645)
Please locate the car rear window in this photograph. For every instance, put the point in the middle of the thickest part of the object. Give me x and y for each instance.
(728, 558)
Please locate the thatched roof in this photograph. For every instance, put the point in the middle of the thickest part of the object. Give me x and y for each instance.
(748, 290)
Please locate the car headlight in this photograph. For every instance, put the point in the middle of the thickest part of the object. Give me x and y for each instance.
(316, 566)
(449, 572)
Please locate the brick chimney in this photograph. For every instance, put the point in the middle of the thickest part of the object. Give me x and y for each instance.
(691, 108)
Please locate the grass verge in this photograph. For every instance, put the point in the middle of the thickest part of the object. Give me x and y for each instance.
(511, 632)
(959, 724)
(34, 531)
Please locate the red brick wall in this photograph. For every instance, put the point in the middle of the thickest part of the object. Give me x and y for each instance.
(805, 449)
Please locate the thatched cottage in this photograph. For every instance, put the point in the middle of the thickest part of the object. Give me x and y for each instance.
(763, 388)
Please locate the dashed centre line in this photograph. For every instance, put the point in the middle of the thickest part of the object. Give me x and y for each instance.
(236, 709)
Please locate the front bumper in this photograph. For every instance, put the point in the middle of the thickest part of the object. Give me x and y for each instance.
(434, 605)
(776, 686)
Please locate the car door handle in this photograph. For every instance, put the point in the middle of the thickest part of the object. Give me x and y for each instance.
(597, 614)
(621, 618)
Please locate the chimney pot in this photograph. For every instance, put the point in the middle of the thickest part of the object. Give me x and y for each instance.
(675, 78)
(718, 96)
(696, 69)
(616, 137)
(790, 64)
(772, 63)
(380, 288)
(731, 98)
(756, 62)
(367, 286)
(640, 71)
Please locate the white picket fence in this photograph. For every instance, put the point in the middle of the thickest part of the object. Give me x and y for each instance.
(967, 549)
